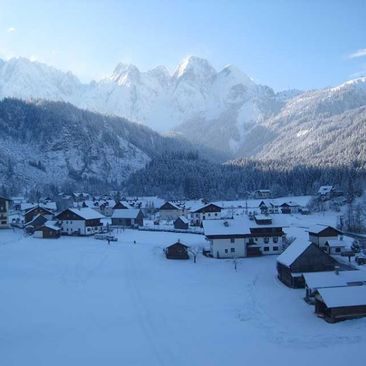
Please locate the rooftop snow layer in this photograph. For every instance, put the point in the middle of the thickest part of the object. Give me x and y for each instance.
(343, 296)
(293, 251)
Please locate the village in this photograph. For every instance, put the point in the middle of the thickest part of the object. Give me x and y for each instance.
(270, 268)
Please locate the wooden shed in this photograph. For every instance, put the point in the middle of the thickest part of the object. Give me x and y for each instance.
(341, 303)
(177, 250)
(48, 231)
(301, 257)
(181, 223)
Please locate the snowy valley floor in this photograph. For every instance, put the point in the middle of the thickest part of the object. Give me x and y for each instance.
(78, 301)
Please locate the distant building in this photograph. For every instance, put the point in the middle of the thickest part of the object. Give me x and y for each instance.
(301, 257)
(290, 207)
(209, 211)
(262, 193)
(320, 234)
(4, 212)
(37, 210)
(80, 221)
(132, 217)
(170, 211)
(50, 230)
(181, 223)
(177, 250)
(326, 192)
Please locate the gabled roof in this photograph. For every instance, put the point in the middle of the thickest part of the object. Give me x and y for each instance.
(52, 225)
(86, 213)
(202, 208)
(38, 207)
(178, 243)
(169, 206)
(315, 280)
(232, 227)
(38, 219)
(343, 296)
(317, 229)
(325, 189)
(183, 219)
(130, 213)
(293, 251)
(336, 243)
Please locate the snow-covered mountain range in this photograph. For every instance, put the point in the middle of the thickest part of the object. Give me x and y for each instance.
(223, 109)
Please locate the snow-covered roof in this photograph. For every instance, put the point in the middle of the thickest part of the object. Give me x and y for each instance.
(293, 251)
(318, 228)
(87, 213)
(291, 204)
(315, 280)
(130, 213)
(52, 225)
(336, 243)
(172, 204)
(237, 226)
(184, 219)
(263, 218)
(325, 189)
(343, 296)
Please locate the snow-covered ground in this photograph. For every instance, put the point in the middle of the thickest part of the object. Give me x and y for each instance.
(78, 301)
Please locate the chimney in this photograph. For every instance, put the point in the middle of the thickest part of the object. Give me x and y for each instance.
(336, 270)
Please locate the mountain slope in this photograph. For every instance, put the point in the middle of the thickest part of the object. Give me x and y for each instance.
(56, 143)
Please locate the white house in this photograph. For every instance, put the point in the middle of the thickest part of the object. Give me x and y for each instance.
(209, 211)
(320, 234)
(80, 221)
(242, 237)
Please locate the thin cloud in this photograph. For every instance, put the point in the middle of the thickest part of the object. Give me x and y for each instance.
(11, 30)
(359, 53)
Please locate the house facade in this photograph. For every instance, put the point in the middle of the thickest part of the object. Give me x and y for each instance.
(37, 210)
(131, 217)
(170, 211)
(80, 221)
(4, 212)
(320, 234)
(206, 212)
(241, 237)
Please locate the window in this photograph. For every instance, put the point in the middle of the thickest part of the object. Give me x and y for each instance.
(216, 214)
(266, 239)
(3, 222)
(232, 240)
(226, 251)
(275, 239)
(337, 250)
(266, 249)
(232, 250)
(275, 249)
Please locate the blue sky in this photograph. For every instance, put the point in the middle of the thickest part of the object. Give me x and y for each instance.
(280, 43)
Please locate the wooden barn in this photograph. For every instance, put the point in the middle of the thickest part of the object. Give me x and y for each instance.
(37, 222)
(49, 230)
(38, 210)
(341, 303)
(181, 223)
(301, 257)
(177, 250)
(130, 217)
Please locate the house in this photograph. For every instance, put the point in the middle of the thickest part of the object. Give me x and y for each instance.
(37, 222)
(326, 192)
(177, 250)
(37, 210)
(262, 193)
(181, 223)
(50, 230)
(4, 212)
(341, 303)
(268, 207)
(208, 211)
(170, 211)
(320, 234)
(290, 207)
(301, 257)
(80, 221)
(242, 237)
(335, 246)
(318, 280)
(131, 217)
